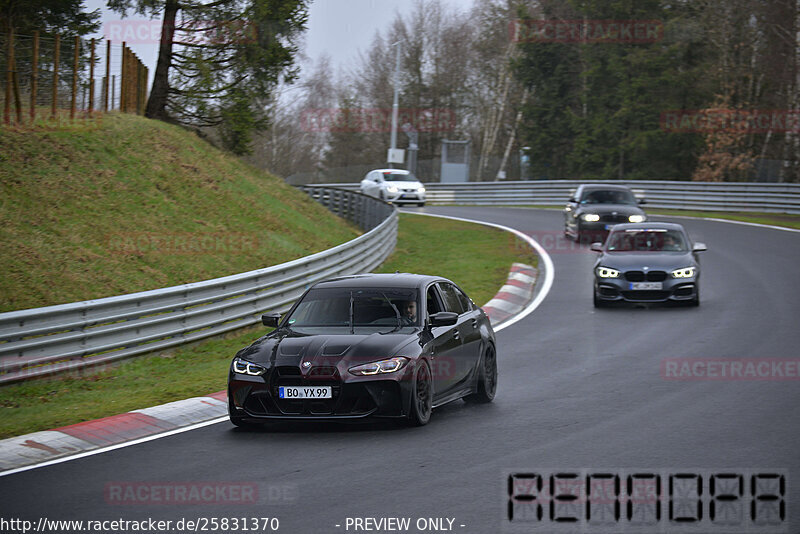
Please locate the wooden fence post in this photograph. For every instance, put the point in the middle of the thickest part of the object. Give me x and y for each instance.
(9, 75)
(108, 72)
(122, 107)
(56, 57)
(75, 77)
(91, 78)
(34, 74)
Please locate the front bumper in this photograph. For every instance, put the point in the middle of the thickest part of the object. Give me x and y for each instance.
(256, 397)
(406, 196)
(621, 290)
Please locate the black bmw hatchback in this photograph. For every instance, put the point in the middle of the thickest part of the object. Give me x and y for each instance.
(375, 345)
(595, 208)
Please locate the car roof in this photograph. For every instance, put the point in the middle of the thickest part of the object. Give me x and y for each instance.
(648, 226)
(613, 187)
(387, 280)
(393, 171)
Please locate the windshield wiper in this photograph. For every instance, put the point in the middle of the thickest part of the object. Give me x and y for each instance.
(396, 314)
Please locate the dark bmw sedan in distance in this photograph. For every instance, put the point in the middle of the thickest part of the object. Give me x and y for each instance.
(374, 345)
(594, 208)
(652, 262)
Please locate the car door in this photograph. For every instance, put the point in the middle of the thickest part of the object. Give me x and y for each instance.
(471, 339)
(464, 357)
(444, 347)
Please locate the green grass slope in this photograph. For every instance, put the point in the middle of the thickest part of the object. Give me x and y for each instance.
(122, 204)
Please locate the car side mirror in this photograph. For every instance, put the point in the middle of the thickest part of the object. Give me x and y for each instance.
(641, 200)
(271, 319)
(596, 247)
(699, 247)
(444, 319)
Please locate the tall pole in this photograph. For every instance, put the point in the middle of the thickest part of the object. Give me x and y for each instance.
(395, 101)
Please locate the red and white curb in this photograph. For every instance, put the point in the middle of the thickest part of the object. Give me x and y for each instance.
(46, 446)
(514, 296)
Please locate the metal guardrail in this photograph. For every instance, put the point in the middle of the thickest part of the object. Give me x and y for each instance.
(711, 196)
(54, 339)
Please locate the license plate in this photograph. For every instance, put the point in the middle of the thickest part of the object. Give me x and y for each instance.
(646, 285)
(303, 392)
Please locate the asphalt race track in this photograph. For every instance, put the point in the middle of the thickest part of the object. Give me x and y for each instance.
(578, 388)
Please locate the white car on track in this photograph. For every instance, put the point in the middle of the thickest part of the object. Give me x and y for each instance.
(397, 186)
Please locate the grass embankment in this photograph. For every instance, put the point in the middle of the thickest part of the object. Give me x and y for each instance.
(120, 204)
(476, 257)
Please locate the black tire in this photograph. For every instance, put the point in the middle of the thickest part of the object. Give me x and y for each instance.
(238, 420)
(695, 302)
(487, 381)
(421, 396)
(598, 303)
(421, 204)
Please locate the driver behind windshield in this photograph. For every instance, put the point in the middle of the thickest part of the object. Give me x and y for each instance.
(409, 313)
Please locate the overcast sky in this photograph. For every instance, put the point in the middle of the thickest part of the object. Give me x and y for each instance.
(338, 28)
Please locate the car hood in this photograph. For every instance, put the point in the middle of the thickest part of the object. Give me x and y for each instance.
(293, 349)
(659, 261)
(604, 209)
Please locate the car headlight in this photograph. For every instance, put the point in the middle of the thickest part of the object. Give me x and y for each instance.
(392, 189)
(243, 367)
(605, 272)
(591, 217)
(686, 272)
(384, 366)
(421, 189)
(636, 218)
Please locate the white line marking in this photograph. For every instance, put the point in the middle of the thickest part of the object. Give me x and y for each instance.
(114, 447)
(549, 270)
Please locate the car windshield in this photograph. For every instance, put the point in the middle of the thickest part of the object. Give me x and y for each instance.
(653, 240)
(364, 310)
(392, 177)
(606, 196)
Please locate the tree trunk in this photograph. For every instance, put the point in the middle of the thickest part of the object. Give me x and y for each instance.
(157, 103)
